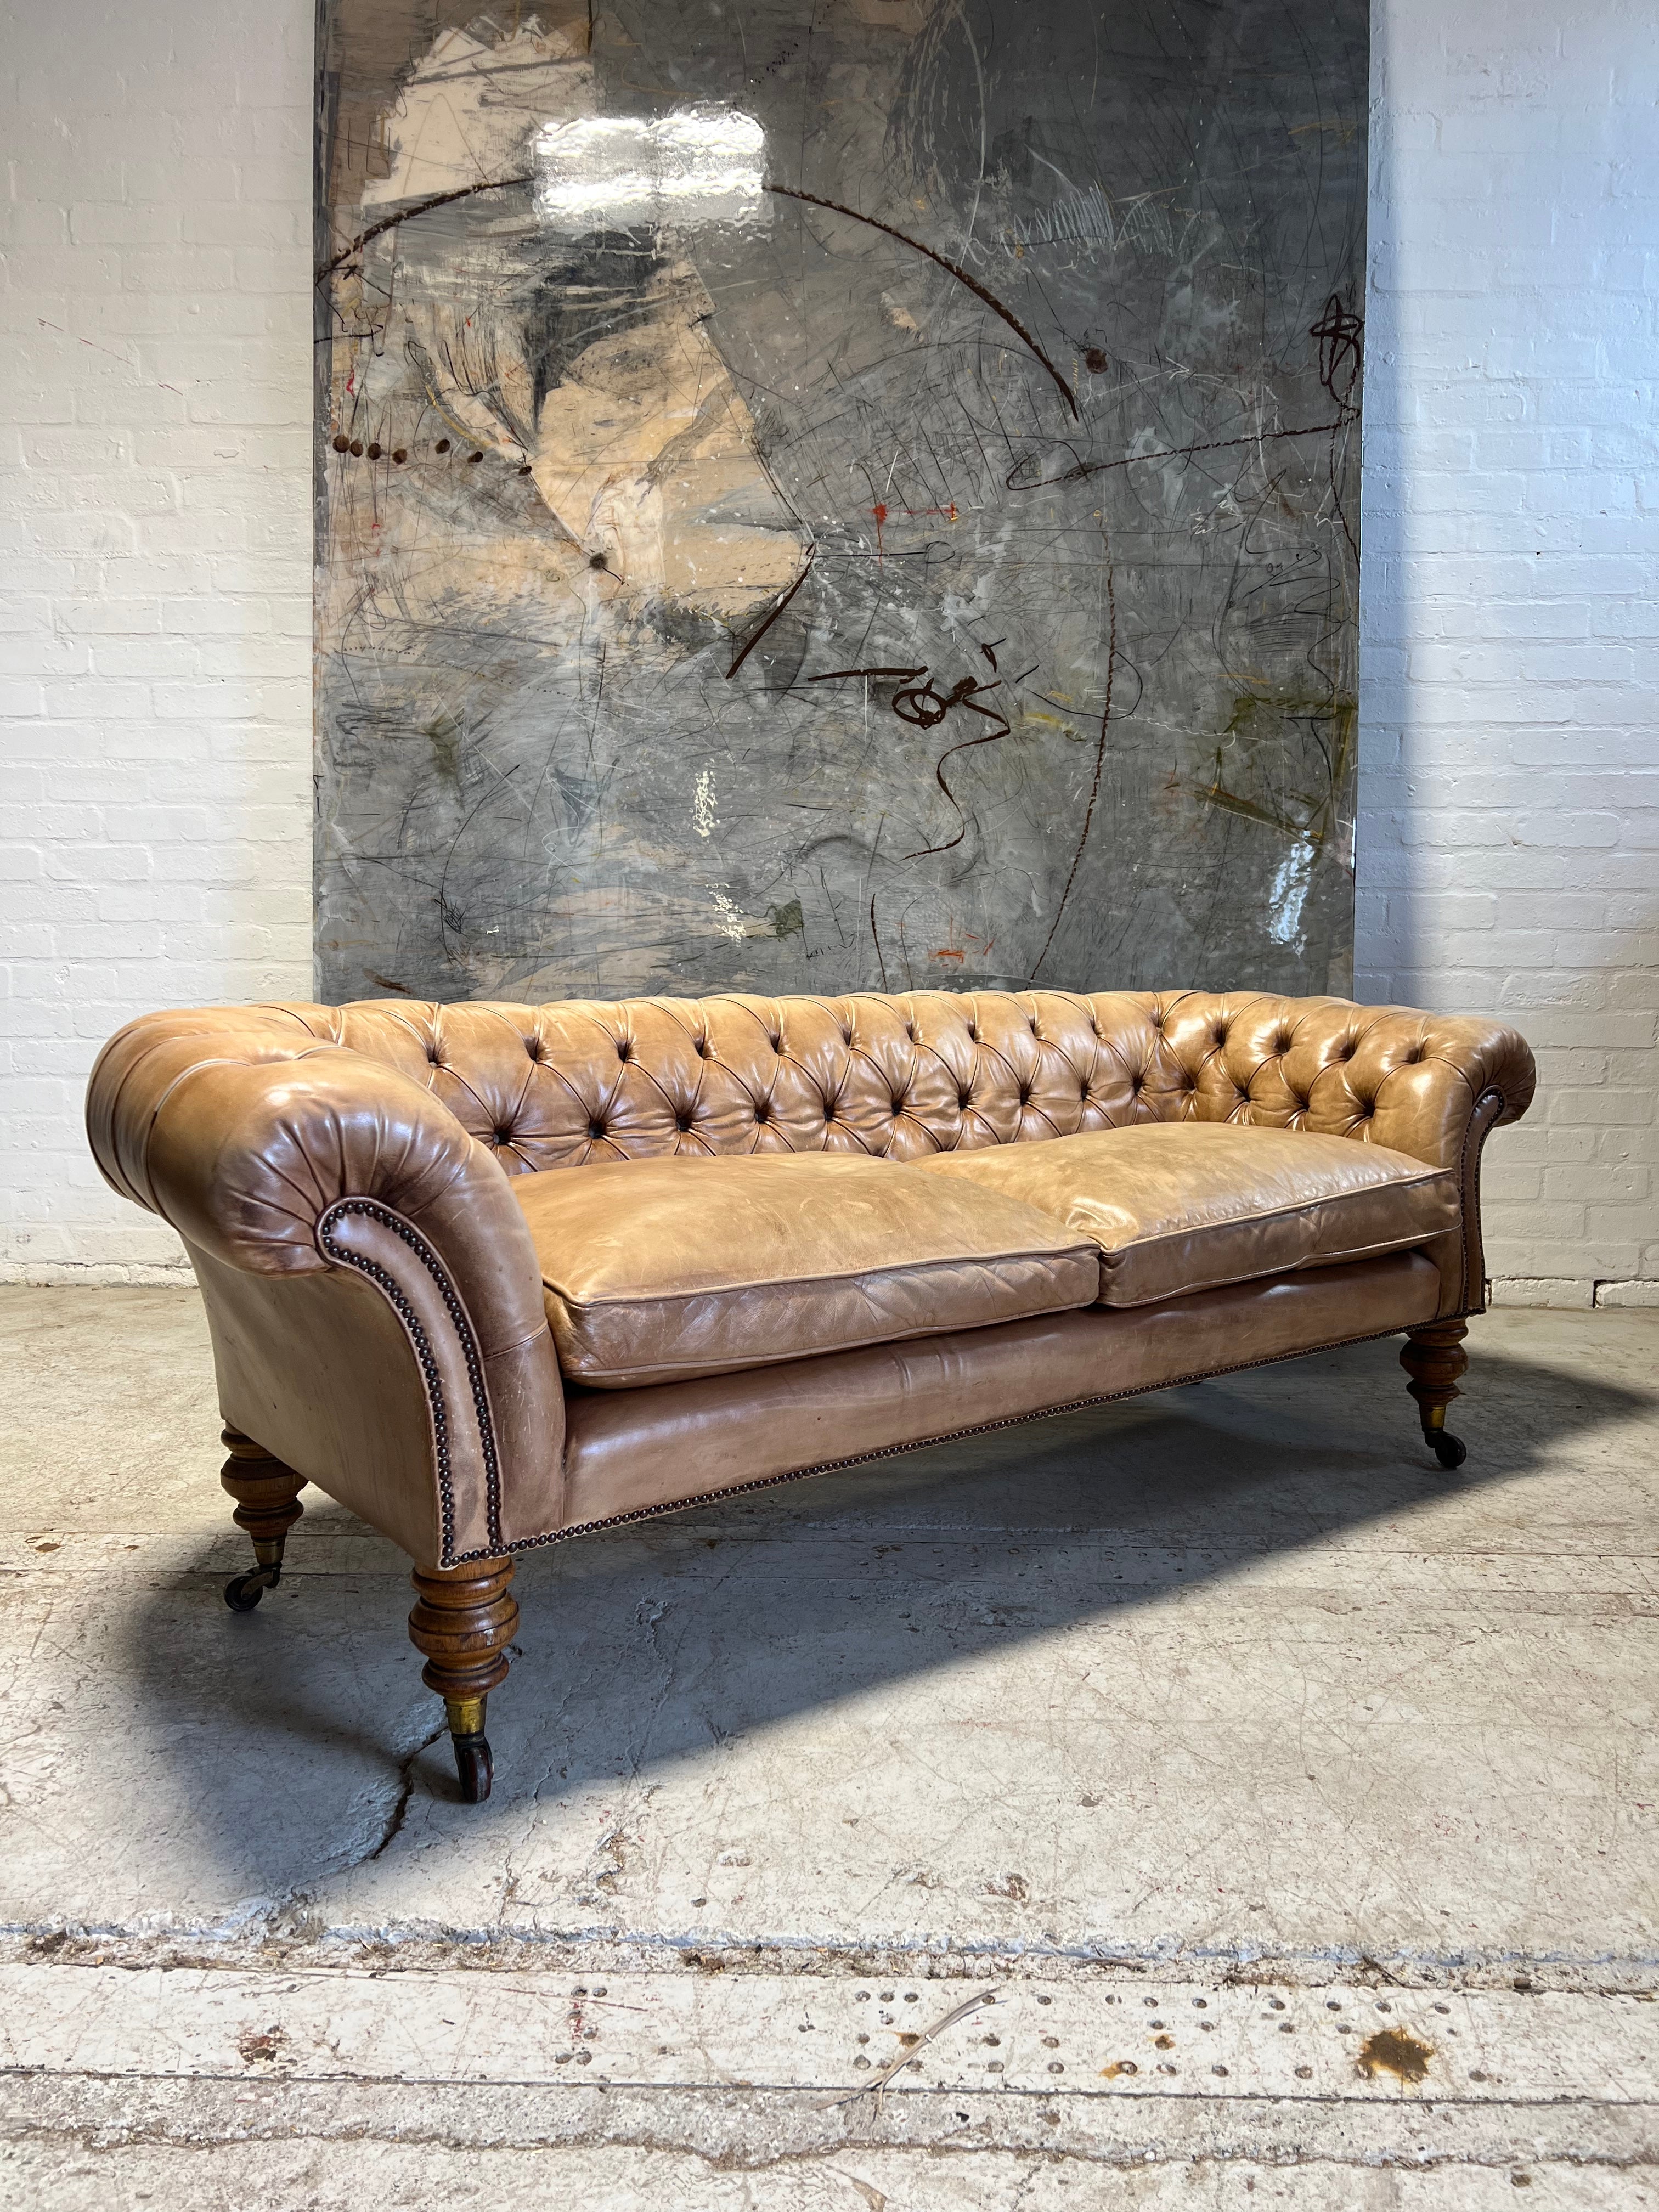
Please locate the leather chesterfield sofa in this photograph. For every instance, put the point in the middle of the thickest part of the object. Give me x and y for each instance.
(493, 1276)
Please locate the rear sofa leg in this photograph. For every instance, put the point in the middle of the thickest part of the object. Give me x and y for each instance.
(464, 1621)
(267, 1506)
(1435, 1360)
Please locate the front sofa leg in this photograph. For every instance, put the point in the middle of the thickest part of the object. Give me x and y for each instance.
(464, 1622)
(1435, 1360)
(267, 1506)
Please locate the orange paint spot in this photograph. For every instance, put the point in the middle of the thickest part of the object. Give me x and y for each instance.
(945, 952)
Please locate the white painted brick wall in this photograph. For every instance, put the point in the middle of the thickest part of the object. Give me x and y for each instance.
(154, 620)
(154, 560)
(1509, 827)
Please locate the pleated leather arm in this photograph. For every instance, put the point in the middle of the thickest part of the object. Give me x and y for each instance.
(281, 1155)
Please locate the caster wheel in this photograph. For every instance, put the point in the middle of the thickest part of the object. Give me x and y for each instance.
(1450, 1451)
(474, 1766)
(244, 1592)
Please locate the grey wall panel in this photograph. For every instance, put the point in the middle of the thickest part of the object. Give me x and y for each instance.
(832, 494)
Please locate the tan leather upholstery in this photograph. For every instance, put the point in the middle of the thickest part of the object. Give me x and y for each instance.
(906, 1076)
(370, 1146)
(280, 1157)
(631, 1451)
(661, 1269)
(1188, 1205)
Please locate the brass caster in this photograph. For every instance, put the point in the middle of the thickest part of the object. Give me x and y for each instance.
(1451, 1451)
(474, 1766)
(243, 1592)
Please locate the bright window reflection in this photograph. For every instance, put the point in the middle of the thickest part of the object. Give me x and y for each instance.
(696, 165)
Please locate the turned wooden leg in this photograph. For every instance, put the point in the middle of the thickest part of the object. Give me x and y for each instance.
(267, 1506)
(1434, 1358)
(464, 1622)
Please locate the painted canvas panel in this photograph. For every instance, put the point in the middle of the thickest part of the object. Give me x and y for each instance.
(816, 494)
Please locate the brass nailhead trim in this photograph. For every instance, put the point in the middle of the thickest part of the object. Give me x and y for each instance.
(426, 1361)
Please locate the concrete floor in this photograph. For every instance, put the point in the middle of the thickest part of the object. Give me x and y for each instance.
(1287, 1805)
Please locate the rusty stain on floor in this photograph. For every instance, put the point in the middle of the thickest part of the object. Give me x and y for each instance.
(1392, 2050)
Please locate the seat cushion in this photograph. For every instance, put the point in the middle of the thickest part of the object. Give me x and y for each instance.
(654, 1271)
(1188, 1205)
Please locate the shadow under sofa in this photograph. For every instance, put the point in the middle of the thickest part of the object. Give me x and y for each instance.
(496, 1275)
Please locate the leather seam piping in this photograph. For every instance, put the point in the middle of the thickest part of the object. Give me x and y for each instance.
(921, 1443)
(1085, 1249)
(649, 1378)
(1469, 1172)
(1310, 1266)
(1338, 1198)
(427, 1362)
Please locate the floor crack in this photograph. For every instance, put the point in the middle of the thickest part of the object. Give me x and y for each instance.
(405, 1791)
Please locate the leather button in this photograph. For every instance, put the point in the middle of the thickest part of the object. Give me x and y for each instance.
(964, 1099)
(762, 1112)
(503, 1136)
(624, 1050)
(1221, 1036)
(683, 1123)
(596, 1128)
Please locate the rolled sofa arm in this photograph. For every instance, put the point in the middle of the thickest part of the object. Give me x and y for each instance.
(1433, 1085)
(371, 1285)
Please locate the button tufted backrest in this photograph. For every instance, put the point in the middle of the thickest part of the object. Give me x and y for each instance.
(902, 1076)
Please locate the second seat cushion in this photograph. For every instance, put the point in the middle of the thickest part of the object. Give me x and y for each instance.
(1188, 1206)
(654, 1271)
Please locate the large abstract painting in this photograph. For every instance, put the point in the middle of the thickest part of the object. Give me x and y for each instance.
(818, 495)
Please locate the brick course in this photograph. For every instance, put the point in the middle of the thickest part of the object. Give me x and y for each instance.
(1510, 751)
(154, 562)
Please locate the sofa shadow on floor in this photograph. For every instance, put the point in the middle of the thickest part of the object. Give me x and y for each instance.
(649, 1645)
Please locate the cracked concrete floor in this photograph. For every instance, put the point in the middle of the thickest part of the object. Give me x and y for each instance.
(1280, 1809)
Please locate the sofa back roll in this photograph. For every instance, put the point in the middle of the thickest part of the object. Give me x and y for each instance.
(904, 1076)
